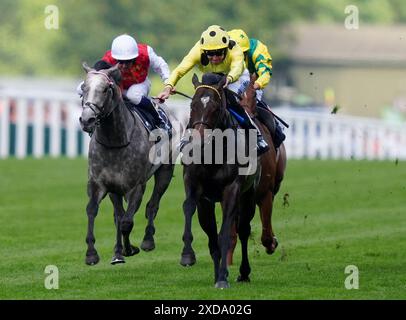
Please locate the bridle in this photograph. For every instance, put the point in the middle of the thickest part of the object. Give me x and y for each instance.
(207, 125)
(99, 111)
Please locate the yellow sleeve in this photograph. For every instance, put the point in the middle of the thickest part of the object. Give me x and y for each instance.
(237, 63)
(263, 64)
(188, 62)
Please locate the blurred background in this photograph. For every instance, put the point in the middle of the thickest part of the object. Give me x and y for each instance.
(328, 57)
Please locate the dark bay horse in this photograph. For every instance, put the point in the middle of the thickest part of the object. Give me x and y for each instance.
(206, 184)
(273, 165)
(119, 161)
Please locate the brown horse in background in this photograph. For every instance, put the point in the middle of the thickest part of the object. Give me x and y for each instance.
(273, 164)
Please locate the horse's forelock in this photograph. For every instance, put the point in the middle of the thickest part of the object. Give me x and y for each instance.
(96, 79)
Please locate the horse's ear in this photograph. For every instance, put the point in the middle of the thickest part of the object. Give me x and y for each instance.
(114, 73)
(195, 80)
(253, 78)
(86, 67)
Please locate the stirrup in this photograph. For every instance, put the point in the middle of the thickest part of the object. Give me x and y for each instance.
(262, 146)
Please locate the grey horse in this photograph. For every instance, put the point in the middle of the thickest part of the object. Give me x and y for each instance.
(119, 161)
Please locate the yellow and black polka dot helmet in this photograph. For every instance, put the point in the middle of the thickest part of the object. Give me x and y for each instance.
(214, 38)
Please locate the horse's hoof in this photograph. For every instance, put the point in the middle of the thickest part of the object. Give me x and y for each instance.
(117, 259)
(272, 247)
(243, 279)
(92, 260)
(128, 253)
(148, 245)
(222, 285)
(188, 260)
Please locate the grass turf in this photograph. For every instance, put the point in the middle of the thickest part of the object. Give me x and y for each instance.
(339, 214)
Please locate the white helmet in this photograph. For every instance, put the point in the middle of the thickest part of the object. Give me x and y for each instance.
(124, 47)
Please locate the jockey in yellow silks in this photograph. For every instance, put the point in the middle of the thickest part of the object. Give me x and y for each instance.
(215, 53)
(212, 53)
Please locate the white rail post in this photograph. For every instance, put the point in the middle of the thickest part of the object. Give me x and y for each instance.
(313, 140)
(85, 141)
(359, 142)
(71, 129)
(335, 139)
(39, 128)
(55, 132)
(346, 141)
(325, 138)
(369, 142)
(299, 139)
(4, 127)
(21, 128)
(380, 140)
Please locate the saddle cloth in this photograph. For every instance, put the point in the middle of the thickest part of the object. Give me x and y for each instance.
(149, 121)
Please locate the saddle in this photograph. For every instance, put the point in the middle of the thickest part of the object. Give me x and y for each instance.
(147, 117)
(263, 115)
(266, 118)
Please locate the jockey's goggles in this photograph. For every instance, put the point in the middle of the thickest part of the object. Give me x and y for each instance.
(126, 61)
(218, 52)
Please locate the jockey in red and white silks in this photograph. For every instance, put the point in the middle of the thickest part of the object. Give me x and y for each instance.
(135, 59)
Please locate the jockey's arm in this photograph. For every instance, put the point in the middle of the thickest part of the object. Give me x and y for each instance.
(158, 64)
(237, 64)
(188, 62)
(263, 65)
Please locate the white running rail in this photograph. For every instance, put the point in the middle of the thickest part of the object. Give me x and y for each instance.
(38, 124)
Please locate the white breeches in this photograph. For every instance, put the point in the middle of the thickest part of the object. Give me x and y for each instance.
(136, 91)
(241, 84)
(260, 93)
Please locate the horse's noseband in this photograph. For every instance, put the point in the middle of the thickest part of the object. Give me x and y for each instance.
(94, 107)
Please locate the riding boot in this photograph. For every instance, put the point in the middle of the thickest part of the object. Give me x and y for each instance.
(261, 143)
(147, 104)
(279, 135)
(267, 118)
